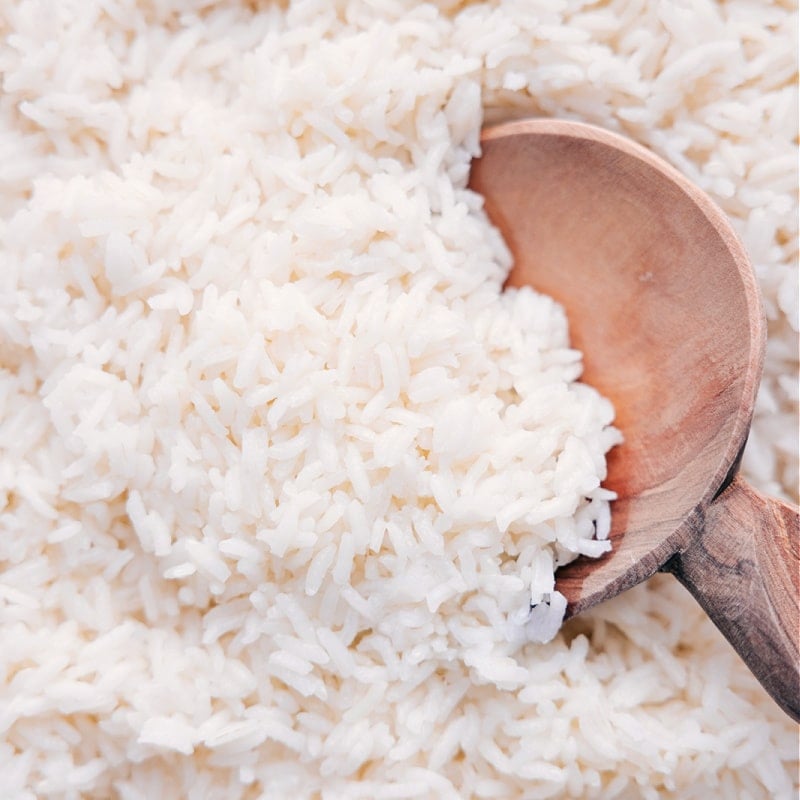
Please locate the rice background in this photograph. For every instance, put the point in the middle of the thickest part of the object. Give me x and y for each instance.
(121, 678)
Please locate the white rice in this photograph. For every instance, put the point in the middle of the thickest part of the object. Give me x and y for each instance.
(282, 471)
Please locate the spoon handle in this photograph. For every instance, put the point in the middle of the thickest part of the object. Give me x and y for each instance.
(744, 570)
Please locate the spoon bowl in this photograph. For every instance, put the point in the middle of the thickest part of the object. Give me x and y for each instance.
(663, 303)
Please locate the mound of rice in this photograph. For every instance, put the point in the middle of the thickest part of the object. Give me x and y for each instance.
(282, 471)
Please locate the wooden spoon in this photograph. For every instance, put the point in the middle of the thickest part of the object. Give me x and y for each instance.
(663, 303)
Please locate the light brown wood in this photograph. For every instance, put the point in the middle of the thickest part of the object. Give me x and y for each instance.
(662, 300)
(746, 582)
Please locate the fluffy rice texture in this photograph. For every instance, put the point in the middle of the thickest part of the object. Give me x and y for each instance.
(282, 470)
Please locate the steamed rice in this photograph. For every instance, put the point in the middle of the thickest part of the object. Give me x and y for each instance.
(282, 471)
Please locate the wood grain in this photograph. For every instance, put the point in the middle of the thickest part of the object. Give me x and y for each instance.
(663, 303)
(748, 583)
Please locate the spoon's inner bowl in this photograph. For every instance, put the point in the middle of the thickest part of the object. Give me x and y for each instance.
(660, 300)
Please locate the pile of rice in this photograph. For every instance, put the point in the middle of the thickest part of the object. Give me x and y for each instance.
(282, 471)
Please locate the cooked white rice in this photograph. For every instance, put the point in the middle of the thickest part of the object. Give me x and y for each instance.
(282, 471)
